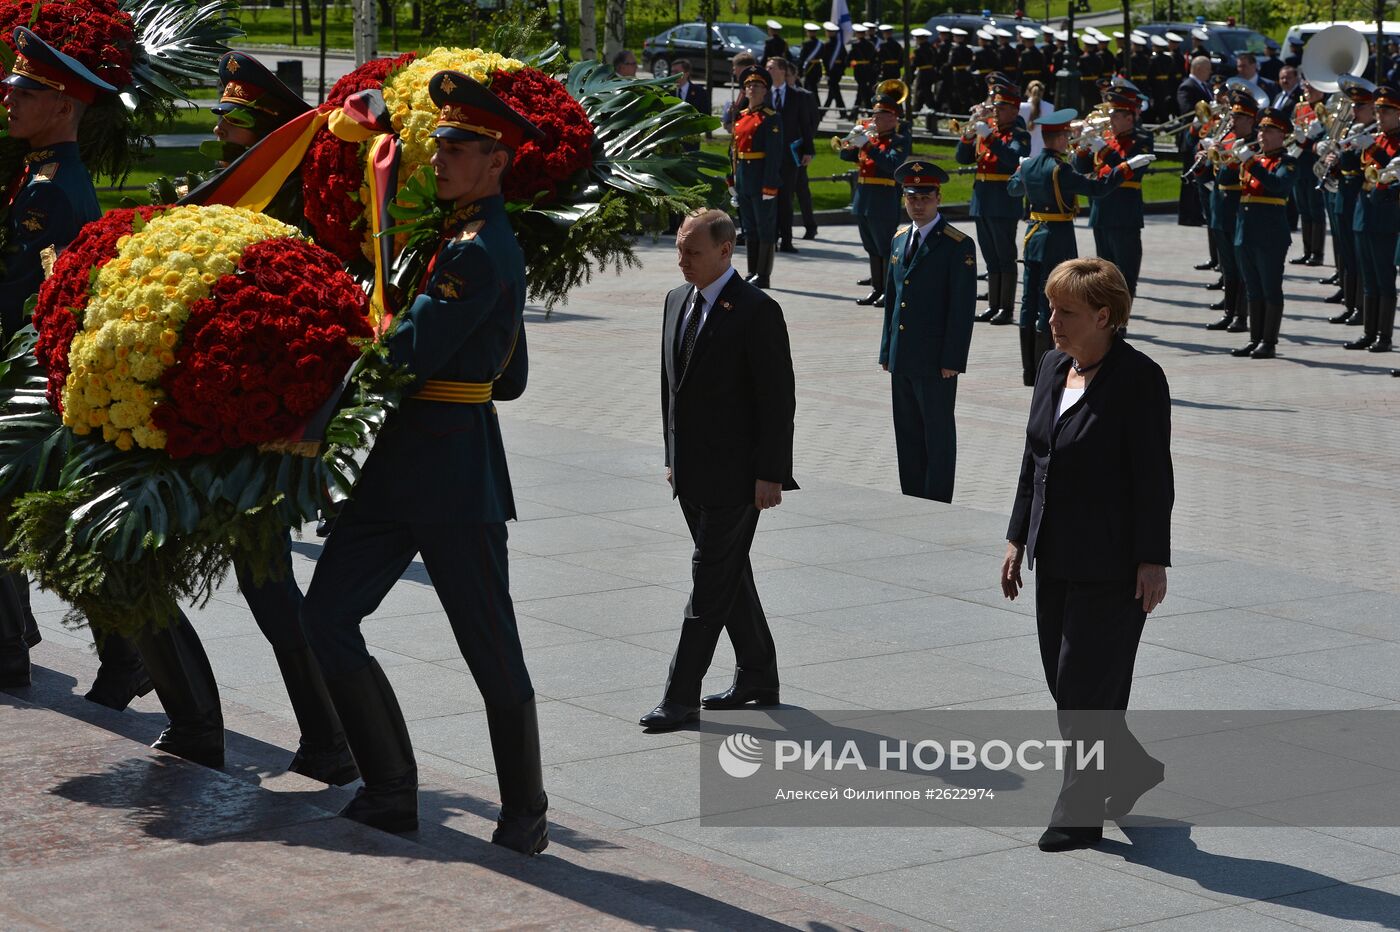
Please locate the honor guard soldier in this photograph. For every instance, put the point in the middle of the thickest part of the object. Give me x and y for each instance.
(878, 152)
(462, 341)
(962, 89)
(775, 46)
(1225, 208)
(930, 291)
(1031, 61)
(985, 61)
(1090, 67)
(1267, 174)
(1344, 191)
(923, 71)
(50, 197)
(809, 59)
(996, 144)
(1140, 66)
(834, 60)
(1376, 220)
(758, 151)
(891, 54)
(1052, 187)
(1117, 217)
(1008, 56)
(864, 66)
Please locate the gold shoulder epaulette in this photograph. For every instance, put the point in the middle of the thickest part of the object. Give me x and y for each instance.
(45, 172)
(469, 231)
(954, 234)
(902, 230)
(769, 110)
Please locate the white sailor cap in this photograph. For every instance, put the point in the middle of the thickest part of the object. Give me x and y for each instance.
(1173, 37)
(1117, 35)
(1139, 40)
(1027, 32)
(941, 28)
(958, 31)
(858, 27)
(1088, 39)
(985, 34)
(1002, 33)
(1159, 42)
(774, 24)
(811, 27)
(831, 27)
(1060, 35)
(886, 27)
(921, 31)
(1200, 34)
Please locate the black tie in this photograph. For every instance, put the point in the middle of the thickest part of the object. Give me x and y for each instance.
(692, 330)
(779, 103)
(913, 248)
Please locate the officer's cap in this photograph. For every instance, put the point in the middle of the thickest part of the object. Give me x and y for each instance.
(1118, 82)
(1387, 96)
(39, 66)
(1159, 42)
(1243, 102)
(996, 78)
(774, 24)
(921, 31)
(1122, 99)
(1173, 37)
(753, 74)
(1060, 119)
(467, 110)
(917, 176)
(1279, 120)
(858, 27)
(888, 104)
(1006, 94)
(831, 27)
(249, 86)
(811, 27)
(1359, 90)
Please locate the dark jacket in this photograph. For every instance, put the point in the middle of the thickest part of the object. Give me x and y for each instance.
(799, 125)
(1095, 494)
(1188, 92)
(729, 418)
(929, 303)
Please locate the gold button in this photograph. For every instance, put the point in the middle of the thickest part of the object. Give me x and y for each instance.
(906, 281)
(901, 326)
(902, 304)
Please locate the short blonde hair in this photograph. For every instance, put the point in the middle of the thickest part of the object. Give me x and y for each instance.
(1096, 282)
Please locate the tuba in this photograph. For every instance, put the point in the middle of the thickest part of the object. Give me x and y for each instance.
(893, 87)
(1331, 53)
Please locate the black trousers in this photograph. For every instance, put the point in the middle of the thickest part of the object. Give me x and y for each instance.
(833, 93)
(17, 624)
(468, 567)
(275, 604)
(787, 186)
(1089, 633)
(803, 190)
(722, 598)
(1123, 247)
(925, 436)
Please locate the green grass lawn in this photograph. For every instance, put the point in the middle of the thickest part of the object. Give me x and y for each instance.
(170, 162)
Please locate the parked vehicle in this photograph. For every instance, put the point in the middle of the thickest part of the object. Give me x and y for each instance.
(687, 41)
(975, 21)
(1304, 31)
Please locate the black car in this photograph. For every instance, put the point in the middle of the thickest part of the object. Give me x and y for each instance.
(1223, 41)
(975, 21)
(687, 41)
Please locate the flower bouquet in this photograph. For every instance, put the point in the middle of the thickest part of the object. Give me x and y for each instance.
(154, 412)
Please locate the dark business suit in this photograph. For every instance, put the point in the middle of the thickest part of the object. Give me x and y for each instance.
(728, 417)
(1093, 502)
(698, 96)
(1190, 209)
(799, 131)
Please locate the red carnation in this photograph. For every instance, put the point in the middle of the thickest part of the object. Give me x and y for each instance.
(97, 33)
(540, 169)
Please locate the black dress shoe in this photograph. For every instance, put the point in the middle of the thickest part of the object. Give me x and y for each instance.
(983, 296)
(1360, 343)
(986, 315)
(1357, 318)
(1340, 318)
(982, 277)
(1333, 279)
(669, 715)
(1217, 285)
(1121, 803)
(762, 283)
(14, 669)
(875, 297)
(1395, 373)
(1334, 298)
(1301, 260)
(116, 688)
(1263, 351)
(1003, 317)
(1222, 324)
(864, 281)
(1379, 347)
(528, 834)
(1069, 839)
(787, 247)
(1246, 350)
(810, 234)
(736, 697)
(751, 277)
(1218, 305)
(1241, 325)
(1314, 261)
(1206, 266)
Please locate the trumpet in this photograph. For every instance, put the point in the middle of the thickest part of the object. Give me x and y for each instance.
(1387, 174)
(1350, 138)
(855, 139)
(1208, 151)
(984, 112)
(1095, 123)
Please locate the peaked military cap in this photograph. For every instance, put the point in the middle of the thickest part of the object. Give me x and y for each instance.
(468, 110)
(40, 66)
(1359, 90)
(754, 73)
(1243, 102)
(919, 175)
(1060, 119)
(250, 87)
(888, 104)
(1387, 96)
(1271, 116)
(1006, 94)
(1124, 99)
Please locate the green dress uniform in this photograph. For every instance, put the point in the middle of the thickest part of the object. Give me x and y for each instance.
(1222, 214)
(1117, 218)
(875, 204)
(995, 210)
(1052, 187)
(758, 152)
(435, 486)
(1262, 238)
(1312, 213)
(1376, 228)
(930, 292)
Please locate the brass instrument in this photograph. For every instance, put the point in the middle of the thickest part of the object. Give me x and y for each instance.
(1389, 174)
(893, 87)
(849, 141)
(1200, 115)
(1303, 124)
(985, 112)
(1356, 133)
(1238, 84)
(1331, 53)
(1209, 143)
(1095, 123)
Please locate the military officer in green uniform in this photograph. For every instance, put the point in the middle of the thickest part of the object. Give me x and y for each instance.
(930, 291)
(1344, 171)
(50, 198)
(758, 152)
(1053, 187)
(1116, 218)
(1376, 221)
(436, 486)
(878, 152)
(996, 146)
(1267, 174)
(1225, 208)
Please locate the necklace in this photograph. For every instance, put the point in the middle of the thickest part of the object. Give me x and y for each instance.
(1089, 368)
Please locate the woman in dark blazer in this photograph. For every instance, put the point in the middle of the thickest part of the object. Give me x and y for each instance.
(1093, 514)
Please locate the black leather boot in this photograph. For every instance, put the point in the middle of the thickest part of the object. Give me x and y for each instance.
(322, 753)
(1240, 310)
(121, 676)
(993, 298)
(766, 254)
(1226, 304)
(1272, 323)
(877, 278)
(1385, 324)
(1008, 296)
(14, 635)
(378, 737)
(1370, 313)
(750, 261)
(184, 681)
(515, 743)
(1043, 344)
(1256, 328)
(1306, 257)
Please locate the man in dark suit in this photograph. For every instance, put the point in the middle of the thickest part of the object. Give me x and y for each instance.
(697, 95)
(1290, 91)
(797, 111)
(930, 291)
(727, 403)
(1195, 87)
(1247, 67)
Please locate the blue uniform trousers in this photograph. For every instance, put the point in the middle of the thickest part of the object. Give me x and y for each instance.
(876, 233)
(925, 436)
(997, 237)
(1375, 254)
(467, 565)
(1340, 207)
(1261, 267)
(759, 217)
(275, 604)
(1123, 247)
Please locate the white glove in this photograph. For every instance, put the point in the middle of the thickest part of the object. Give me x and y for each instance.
(1317, 130)
(1096, 144)
(733, 195)
(983, 130)
(1024, 160)
(1233, 144)
(1139, 162)
(769, 197)
(859, 140)
(1362, 143)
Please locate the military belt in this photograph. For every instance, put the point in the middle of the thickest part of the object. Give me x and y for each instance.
(888, 181)
(1230, 187)
(1260, 199)
(1040, 217)
(923, 68)
(961, 67)
(987, 176)
(462, 393)
(1135, 185)
(746, 156)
